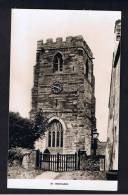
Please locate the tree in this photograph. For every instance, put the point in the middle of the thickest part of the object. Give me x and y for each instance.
(20, 131)
(40, 124)
(23, 132)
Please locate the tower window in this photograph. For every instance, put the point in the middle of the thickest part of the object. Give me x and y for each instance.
(53, 139)
(49, 139)
(58, 63)
(80, 51)
(87, 68)
(55, 134)
(37, 56)
(61, 144)
(58, 137)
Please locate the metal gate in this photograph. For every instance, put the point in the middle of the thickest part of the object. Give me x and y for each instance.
(58, 162)
(69, 162)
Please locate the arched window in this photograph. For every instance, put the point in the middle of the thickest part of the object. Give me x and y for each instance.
(58, 63)
(58, 139)
(49, 139)
(55, 134)
(61, 143)
(53, 139)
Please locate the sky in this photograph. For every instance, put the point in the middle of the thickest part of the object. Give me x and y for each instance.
(29, 26)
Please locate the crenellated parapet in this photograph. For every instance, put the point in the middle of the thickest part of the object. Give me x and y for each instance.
(71, 41)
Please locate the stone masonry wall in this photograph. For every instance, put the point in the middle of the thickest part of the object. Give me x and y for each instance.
(75, 105)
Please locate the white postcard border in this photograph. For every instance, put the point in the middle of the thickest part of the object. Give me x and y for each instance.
(97, 185)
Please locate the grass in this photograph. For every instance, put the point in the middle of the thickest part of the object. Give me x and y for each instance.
(82, 175)
(17, 172)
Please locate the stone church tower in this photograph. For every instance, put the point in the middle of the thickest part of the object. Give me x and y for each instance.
(64, 88)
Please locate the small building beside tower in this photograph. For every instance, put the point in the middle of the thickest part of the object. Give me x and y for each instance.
(112, 148)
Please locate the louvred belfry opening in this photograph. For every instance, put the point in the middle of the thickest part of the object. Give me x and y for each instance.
(58, 63)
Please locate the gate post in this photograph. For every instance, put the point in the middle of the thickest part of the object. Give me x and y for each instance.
(66, 163)
(76, 161)
(37, 164)
(57, 161)
(82, 157)
(40, 160)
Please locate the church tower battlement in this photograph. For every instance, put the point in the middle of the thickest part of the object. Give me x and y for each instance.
(64, 87)
(70, 41)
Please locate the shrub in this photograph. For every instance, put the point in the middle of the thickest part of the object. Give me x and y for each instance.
(15, 155)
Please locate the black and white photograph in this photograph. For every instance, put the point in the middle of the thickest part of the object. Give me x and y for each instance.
(64, 99)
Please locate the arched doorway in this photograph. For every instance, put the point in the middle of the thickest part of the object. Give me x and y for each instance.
(55, 134)
(46, 151)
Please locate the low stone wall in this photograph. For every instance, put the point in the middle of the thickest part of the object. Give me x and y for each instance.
(29, 160)
(22, 157)
(15, 155)
(92, 163)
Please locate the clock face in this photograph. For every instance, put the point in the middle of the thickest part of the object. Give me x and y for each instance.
(57, 87)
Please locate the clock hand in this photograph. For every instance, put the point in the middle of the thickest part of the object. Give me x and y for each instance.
(57, 87)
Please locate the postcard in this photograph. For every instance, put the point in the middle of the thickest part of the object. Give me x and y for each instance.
(64, 99)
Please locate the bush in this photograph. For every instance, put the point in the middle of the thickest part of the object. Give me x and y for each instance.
(15, 156)
(21, 133)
